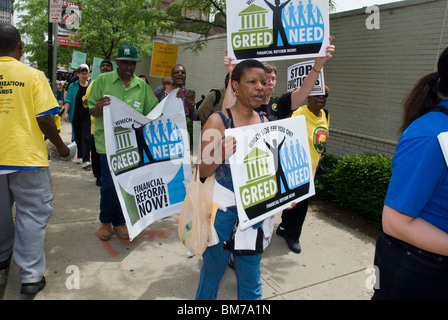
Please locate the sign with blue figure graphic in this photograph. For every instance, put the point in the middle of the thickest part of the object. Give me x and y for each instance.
(149, 159)
(271, 168)
(276, 29)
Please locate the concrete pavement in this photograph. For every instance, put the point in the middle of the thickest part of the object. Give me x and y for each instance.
(155, 266)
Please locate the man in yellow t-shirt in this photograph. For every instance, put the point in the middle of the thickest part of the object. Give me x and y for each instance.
(317, 124)
(27, 104)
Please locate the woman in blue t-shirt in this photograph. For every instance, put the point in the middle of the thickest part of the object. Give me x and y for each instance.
(412, 253)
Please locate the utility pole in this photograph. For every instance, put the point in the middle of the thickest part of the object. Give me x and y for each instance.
(50, 52)
(54, 14)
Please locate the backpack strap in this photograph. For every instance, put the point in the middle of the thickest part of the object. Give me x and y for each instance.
(217, 96)
(441, 109)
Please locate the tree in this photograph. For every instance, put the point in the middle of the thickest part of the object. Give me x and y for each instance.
(105, 25)
(33, 26)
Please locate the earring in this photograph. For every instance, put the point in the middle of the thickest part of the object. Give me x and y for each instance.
(236, 93)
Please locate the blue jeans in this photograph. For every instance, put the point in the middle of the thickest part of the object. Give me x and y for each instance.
(406, 272)
(215, 260)
(110, 208)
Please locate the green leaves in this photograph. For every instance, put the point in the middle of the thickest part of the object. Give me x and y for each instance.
(357, 182)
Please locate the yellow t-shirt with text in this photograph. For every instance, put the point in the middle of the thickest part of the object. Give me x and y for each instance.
(24, 94)
(318, 132)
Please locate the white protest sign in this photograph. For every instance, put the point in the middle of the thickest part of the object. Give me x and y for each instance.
(149, 159)
(298, 72)
(443, 140)
(271, 168)
(274, 30)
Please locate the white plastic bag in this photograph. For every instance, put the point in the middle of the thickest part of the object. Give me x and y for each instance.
(195, 228)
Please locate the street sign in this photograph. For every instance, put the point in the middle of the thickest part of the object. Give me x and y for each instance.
(54, 12)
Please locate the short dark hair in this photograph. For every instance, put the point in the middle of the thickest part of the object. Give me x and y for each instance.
(106, 61)
(244, 65)
(9, 38)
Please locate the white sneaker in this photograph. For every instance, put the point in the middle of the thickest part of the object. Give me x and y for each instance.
(86, 164)
(77, 161)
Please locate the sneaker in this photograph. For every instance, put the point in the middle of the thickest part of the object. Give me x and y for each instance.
(105, 231)
(33, 287)
(122, 232)
(77, 161)
(86, 164)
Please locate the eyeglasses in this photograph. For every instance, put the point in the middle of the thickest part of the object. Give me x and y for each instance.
(179, 72)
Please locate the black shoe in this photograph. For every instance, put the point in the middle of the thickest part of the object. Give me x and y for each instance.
(5, 264)
(98, 182)
(293, 245)
(34, 287)
(281, 232)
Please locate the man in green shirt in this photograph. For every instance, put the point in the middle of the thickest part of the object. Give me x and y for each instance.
(126, 86)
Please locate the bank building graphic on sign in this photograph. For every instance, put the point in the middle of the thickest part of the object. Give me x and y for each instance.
(127, 154)
(261, 184)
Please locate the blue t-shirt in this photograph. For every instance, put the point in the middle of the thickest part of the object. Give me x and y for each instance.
(419, 182)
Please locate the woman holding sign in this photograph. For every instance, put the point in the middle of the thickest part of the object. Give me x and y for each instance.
(248, 82)
(178, 77)
(412, 253)
(282, 107)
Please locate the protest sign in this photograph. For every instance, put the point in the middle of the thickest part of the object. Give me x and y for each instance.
(443, 140)
(270, 30)
(164, 58)
(298, 72)
(271, 168)
(149, 159)
(78, 58)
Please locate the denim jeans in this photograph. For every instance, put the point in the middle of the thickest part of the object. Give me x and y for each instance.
(406, 272)
(215, 260)
(110, 208)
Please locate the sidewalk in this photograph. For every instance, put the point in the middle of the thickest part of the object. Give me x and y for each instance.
(155, 266)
